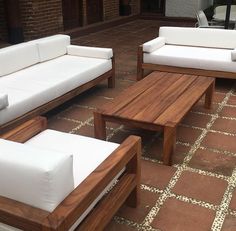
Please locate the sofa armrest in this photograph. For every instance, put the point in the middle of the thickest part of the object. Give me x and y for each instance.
(27, 130)
(93, 52)
(233, 55)
(3, 100)
(154, 44)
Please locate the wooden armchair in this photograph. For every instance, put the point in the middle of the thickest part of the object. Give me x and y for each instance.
(125, 158)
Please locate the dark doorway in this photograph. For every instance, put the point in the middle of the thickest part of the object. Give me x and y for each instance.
(72, 13)
(94, 11)
(153, 6)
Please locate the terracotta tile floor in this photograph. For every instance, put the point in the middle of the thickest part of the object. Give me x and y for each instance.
(199, 191)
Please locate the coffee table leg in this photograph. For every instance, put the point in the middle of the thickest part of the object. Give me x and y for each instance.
(169, 143)
(209, 95)
(99, 126)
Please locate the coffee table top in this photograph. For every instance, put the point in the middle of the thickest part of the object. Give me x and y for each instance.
(160, 98)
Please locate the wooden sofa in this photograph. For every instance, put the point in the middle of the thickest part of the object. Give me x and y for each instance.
(198, 51)
(124, 159)
(39, 75)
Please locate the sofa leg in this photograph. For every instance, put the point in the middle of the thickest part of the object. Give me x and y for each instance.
(139, 63)
(140, 73)
(111, 82)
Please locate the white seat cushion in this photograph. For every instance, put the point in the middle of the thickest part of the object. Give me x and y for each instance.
(192, 57)
(17, 57)
(32, 87)
(39, 177)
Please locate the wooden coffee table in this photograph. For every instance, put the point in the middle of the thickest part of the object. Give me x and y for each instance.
(158, 102)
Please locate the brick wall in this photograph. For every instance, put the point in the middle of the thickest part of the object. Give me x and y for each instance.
(110, 9)
(3, 26)
(44, 17)
(41, 17)
(135, 6)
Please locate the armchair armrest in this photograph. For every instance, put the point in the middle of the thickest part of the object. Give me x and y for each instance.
(93, 52)
(233, 55)
(154, 44)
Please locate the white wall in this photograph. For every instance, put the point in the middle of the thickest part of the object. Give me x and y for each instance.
(203, 4)
(185, 8)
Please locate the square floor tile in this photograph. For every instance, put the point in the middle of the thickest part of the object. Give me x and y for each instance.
(176, 215)
(225, 125)
(154, 174)
(77, 113)
(187, 135)
(147, 201)
(155, 151)
(219, 141)
(196, 120)
(61, 125)
(213, 162)
(232, 204)
(228, 111)
(113, 226)
(229, 223)
(204, 188)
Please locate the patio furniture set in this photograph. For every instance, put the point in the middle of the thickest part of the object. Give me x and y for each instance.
(54, 184)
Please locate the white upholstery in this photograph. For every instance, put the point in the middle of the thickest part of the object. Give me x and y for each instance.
(153, 44)
(233, 55)
(88, 153)
(52, 47)
(219, 38)
(93, 52)
(82, 148)
(39, 177)
(32, 87)
(17, 57)
(3, 100)
(192, 57)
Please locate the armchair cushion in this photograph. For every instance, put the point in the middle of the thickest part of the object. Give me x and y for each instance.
(39, 177)
(154, 44)
(3, 100)
(17, 57)
(93, 52)
(52, 47)
(233, 55)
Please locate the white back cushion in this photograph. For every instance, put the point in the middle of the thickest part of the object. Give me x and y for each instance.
(34, 176)
(215, 38)
(52, 47)
(17, 57)
(93, 52)
(3, 100)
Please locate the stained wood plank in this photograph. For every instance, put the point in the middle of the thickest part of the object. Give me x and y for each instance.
(163, 99)
(184, 103)
(148, 97)
(26, 130)
(131, 93)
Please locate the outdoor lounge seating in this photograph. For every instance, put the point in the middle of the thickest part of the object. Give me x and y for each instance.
(39, 75)
(56, 179)
(198, 51)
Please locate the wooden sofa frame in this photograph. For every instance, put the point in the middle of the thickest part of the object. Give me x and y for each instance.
(127, 189)
(110, 75)
(141, 66)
